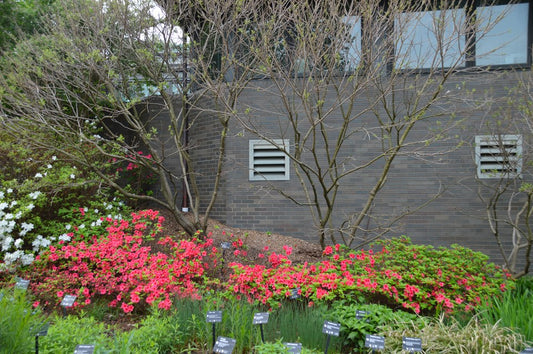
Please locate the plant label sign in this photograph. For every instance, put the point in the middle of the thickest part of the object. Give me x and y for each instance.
(374, 342)
(44, 330)
(68, 300)
(224, 345)
(213, 316)
(527, 351)
(22, 284)
(360, 314)
(225, 245)
(260, 318)
(331, 328)
(84, 349)
(295, 348)
(295, 293)
(412, 344)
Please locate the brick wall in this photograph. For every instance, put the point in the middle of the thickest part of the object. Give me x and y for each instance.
(456, 216)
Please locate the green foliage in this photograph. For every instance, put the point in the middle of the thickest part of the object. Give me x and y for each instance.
(19, 322)
(448, 336)
(354, 330)
(278, 347)
(42, 197)
(68, 332)
(300, 323)
(513, 309)
(20, 18)
(156, 333)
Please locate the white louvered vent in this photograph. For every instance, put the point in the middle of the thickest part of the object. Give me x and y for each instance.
(267, 162)
(498, 156)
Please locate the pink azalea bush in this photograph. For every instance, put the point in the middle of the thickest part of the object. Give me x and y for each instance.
(415, 277)
(120, 268)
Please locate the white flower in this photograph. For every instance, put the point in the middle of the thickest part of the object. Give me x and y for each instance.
(13, 203)
(6, 245)
(72, 176)
(34, 195)
(9, 190)
(54, 158)
(49, 166)
(11, 258)
(96, 211)
(1, 194)
(3, 205)
(38, 175)
(18, 242)
(27, 259)
(68, 226)
(64, 237)
(82, 226)
(30, 207)
(25, 228)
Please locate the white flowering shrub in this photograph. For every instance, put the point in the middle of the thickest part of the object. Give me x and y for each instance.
(57, 203)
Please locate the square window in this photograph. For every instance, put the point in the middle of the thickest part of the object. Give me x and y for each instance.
(498, 156)
(506, 41)
(268, 161)
(430, 39)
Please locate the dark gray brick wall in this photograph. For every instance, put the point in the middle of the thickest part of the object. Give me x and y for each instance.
(456, 216)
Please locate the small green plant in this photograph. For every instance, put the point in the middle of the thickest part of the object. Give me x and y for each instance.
(513, 309)
(19, 322)
(68, 332)
(278, 347)
(371, 316)
(301, 323)
(156, 333)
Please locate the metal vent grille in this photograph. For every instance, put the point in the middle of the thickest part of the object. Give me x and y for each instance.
(267, 161)
(498, 156)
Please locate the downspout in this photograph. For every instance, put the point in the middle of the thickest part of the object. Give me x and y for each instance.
(185, 115)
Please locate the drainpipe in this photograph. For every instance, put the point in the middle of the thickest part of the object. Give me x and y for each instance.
(185, 108)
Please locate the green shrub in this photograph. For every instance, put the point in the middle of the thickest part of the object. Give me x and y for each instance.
(156, 333)
(19, 322)
(68, 332)
(354, 329)
(57, 202)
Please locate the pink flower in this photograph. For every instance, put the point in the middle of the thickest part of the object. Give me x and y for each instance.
(135, 298)
(60, 294)
(328, 250)
(126, 308)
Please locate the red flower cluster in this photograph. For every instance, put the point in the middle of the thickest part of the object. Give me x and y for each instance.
(119, 268)
(398, 274)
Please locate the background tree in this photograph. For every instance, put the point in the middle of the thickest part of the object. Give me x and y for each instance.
(339, 72)
(20, 18)
(95, 84)
(506, 189)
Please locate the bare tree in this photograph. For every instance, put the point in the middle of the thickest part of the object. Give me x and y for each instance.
(337, 72)
(504, 176)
